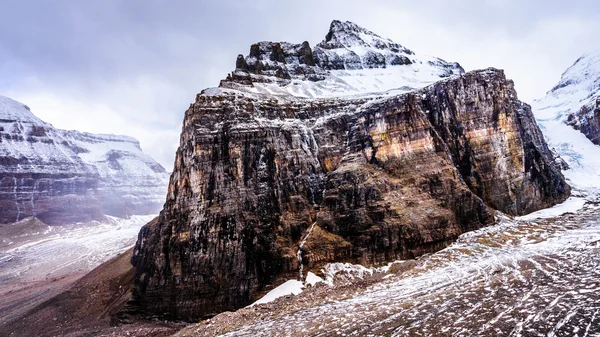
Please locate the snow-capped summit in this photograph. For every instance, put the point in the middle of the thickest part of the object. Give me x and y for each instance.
(355, 47)
(350, 61)
(348, 34)
(579, 85)
(583, 75)
(64, 176)
(17, 111)
(569, 115)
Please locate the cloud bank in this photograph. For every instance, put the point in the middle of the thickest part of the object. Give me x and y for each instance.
(132, 67)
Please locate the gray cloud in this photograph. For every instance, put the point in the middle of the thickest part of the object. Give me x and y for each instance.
(134, 66)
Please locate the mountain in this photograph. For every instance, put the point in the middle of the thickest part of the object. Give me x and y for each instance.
(63, 177)
(569, 114)
(356, 151)
(578, 93)
(350, 61)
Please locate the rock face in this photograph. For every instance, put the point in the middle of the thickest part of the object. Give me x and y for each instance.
(380, 177)
(63, 177)
(587, 120)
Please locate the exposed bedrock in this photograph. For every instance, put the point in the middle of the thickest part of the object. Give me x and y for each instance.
(390, 178)
(587, 120)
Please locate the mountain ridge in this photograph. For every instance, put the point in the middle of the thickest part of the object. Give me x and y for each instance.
(269, 179)
(349, 61)
(65, 176)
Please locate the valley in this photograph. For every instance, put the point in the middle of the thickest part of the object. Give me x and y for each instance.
(352, 187)
(42, 261)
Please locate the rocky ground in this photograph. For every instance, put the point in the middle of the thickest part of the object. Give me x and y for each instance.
(38, 262)
(520, 277)
(18, 298)
(517, 278)
(88, 306)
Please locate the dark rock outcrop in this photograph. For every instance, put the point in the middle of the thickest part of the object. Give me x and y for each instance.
(63, 177)
(587, 120)
(347, 47)
(383, 178)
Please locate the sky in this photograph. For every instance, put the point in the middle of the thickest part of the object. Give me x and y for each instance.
(133, 67)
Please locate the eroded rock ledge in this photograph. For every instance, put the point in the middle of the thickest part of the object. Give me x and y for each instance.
(390, 178)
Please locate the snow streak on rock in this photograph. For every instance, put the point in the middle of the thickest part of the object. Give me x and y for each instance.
(299, 254)
(310, 229)
(517, 278)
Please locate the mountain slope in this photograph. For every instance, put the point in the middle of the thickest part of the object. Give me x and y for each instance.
(569, 116)
(269, 179)
(64, 177)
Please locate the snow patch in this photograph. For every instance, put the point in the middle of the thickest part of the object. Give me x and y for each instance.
(568, 206)
(312, 279)
(69, 248)
(290, 287)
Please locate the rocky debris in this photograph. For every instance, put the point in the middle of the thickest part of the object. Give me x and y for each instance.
(89, 307)
(513, 278)
(63, 177)
(393, 178)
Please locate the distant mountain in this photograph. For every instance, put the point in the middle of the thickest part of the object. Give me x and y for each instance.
(569, 114)
(576, 98)
(63, 176)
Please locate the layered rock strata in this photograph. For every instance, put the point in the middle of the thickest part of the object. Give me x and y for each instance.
(390, 177)
(63, 177)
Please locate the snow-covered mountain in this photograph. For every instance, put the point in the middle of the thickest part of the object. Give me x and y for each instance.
(63, 176)
(305, 158)
(341, 152)
(569, 117)
(350, 61)
(579, 85)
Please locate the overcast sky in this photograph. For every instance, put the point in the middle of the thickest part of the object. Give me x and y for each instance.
(132, 67)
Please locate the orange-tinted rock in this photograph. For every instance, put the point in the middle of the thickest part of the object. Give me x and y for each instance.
(383, 178)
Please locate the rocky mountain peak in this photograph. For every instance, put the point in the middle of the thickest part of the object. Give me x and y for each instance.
(373, 179)
(11, 110)
(582, 76)
(350, 61)
(350, 35)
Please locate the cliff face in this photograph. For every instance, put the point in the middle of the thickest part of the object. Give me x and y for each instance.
(64, 177)
(364, 179)
(587, 120)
